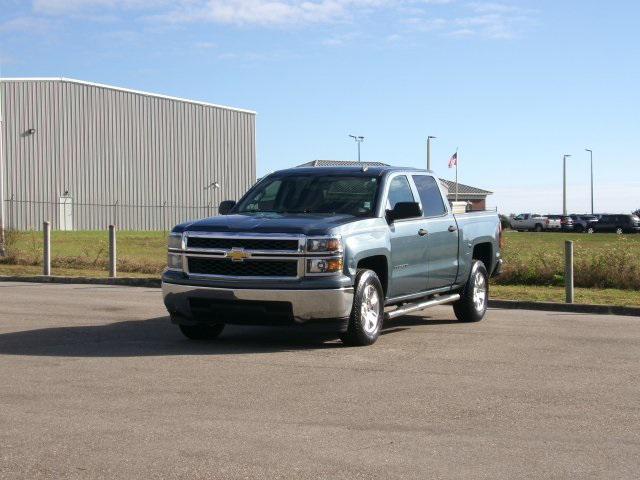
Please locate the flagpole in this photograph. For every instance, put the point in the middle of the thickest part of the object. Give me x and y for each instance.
(457, 161)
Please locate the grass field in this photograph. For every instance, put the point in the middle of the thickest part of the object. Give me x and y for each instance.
(138, 252)
(603, 260)
(607, 266)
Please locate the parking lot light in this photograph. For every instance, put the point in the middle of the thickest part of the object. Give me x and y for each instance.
(591, 155)
(564, 184)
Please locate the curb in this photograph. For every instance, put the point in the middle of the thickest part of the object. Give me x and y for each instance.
(565, 307)
(124, 281)
(154, 282)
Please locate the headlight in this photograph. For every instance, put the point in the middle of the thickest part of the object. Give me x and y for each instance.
(174, 261)
(175, 241)
(324, 265)
(324, 245)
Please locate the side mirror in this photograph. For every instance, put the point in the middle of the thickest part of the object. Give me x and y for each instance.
(404, 210)
(226, 206)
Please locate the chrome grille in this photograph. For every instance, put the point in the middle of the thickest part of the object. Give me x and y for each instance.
(227, 243)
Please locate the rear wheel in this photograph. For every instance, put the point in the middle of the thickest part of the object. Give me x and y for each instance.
(367, 312)
(472, 305)
(579, 228)
(201, 332)
(538, 228)
(590, 230)
(619, 230)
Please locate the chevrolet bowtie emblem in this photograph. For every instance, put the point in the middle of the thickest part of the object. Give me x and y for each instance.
(238, 255)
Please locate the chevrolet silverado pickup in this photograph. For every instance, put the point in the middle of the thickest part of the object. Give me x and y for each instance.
(347, 247)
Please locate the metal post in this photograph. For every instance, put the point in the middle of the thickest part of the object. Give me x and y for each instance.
(568, 271)
(46, 260)
(591, 156)
(564, 184)
(3, 250)
(429, 138)
(112, 251)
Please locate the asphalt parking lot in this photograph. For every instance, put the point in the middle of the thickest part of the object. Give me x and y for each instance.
(95, 383)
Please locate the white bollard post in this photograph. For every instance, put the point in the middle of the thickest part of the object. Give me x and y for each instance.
(46, 260)
(112, 251)
(568, 271)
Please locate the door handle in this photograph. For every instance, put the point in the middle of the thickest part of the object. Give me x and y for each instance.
(422, 232)
(452, 228)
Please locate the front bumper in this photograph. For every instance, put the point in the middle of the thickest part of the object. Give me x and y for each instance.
(300, 306)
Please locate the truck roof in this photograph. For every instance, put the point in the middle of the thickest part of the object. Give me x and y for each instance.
(376, 170)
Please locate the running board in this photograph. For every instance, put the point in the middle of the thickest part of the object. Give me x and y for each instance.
(414, 307)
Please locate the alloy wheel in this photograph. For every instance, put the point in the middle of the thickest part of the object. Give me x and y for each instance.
(370, 309)
(479, 292)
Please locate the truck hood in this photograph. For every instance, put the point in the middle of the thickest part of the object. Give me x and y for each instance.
(305, 224)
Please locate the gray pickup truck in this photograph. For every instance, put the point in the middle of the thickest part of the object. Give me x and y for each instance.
(331, 245)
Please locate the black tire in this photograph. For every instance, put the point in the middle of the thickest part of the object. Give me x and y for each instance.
(202, 332)
(579, 228)
(361, 330)
(538, 228)
(467, 309)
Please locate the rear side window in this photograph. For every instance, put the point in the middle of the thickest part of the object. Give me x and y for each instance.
(432, 204)
(400, 191)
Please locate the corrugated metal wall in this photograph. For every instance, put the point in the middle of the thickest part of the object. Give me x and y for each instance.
(139, 161)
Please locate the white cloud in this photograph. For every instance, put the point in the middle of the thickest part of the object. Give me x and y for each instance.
(499, 20)
(24, 24)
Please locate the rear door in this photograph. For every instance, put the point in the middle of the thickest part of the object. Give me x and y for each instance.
(408, 248)
(442, 237)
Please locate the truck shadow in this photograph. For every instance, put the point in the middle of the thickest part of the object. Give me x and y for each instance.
(157, 336)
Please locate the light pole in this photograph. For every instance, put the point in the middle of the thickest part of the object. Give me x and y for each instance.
(591, 155)
(564, 184)
(429, 138)
(359, 140)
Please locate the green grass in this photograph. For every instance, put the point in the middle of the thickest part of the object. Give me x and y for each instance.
(601, 260)
(593, 296)
(137, 252)
(607, 266)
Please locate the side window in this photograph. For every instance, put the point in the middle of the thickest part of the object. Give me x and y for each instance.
(266, 199)
(399, 191)
(430, 196)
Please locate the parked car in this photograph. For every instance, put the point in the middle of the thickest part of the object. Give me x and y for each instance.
(526, 222)
(584, 223)
(623, 223)
(331, 245)
(560, 223)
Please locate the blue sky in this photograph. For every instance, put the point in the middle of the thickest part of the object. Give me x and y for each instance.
(513, 84)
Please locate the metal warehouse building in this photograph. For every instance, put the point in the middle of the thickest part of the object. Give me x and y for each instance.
(84, 155)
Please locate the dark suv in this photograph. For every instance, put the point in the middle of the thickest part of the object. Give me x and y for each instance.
(618, 223)
(584, 223)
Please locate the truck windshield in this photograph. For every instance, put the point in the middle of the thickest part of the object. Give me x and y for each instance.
(329, 194)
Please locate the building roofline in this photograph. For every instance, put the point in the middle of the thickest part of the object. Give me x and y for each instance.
(120, 89)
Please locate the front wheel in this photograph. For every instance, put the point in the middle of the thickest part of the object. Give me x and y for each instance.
(201, 332)
(367, 312)
(473, 302)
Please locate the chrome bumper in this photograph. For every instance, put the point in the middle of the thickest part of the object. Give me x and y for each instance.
(306, 304)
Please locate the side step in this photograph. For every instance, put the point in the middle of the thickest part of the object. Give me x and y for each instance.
(414, 307)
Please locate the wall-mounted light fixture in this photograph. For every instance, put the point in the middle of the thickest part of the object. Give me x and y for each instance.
(31, 131)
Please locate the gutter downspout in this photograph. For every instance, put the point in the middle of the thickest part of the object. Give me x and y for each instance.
(3, 250)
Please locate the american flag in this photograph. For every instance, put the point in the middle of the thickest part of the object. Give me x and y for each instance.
(453, 161)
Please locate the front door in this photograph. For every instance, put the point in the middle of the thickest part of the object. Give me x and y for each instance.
(442, 237)
(408, 249)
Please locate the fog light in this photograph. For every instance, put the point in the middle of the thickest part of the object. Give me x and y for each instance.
(324, 265)
(174, 262)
